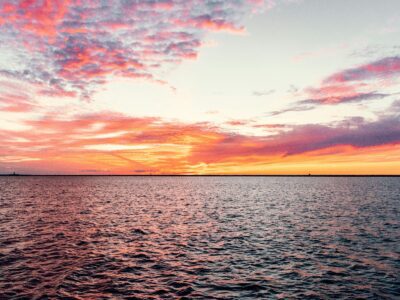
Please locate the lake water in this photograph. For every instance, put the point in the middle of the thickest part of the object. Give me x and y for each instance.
(199, 238)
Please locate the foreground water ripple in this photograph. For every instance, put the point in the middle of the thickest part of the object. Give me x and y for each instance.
(199, 238)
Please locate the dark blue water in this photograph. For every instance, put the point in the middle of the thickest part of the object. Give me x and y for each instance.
(199, 238)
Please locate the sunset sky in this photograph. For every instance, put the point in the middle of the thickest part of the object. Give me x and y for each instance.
(200, 87)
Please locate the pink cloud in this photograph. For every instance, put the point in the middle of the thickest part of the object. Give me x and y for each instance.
(348, 86)
(16, 103)
(109, 139)
(77, 45)
(15, 99)
(382, 68)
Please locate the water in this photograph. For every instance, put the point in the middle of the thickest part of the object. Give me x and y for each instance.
(199, 238)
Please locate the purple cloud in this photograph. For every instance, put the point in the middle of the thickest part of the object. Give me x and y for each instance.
(70, 47)
(382, 68)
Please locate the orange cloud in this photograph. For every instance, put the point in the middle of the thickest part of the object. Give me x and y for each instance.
(114, 143)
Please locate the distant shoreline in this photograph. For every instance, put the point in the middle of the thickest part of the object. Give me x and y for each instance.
(192, 175)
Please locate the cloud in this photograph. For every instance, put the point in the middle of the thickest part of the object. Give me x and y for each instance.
(382, 68)
(395, 107)
(336, 93)
(330, 99)
(302, 139)
(271, 126)
(120, 144)
(242, 122)
(14, 99)
(292, 109)
(348, 86)
(263, 93)
(70, 47)
(292, 89)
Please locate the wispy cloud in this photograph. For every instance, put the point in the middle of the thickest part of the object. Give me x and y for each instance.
(349, 86)
(330, 99)
(120, 143)
(302, 139)
(382, 68)
(14, 99)
(263, 92)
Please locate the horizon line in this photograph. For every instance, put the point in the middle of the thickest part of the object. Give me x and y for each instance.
(210, 175)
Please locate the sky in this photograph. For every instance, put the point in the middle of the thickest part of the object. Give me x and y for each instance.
(199, 87)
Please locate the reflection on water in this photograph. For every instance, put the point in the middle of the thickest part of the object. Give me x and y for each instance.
(199, 237)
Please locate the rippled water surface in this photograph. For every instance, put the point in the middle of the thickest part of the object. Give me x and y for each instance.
(199, 238)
